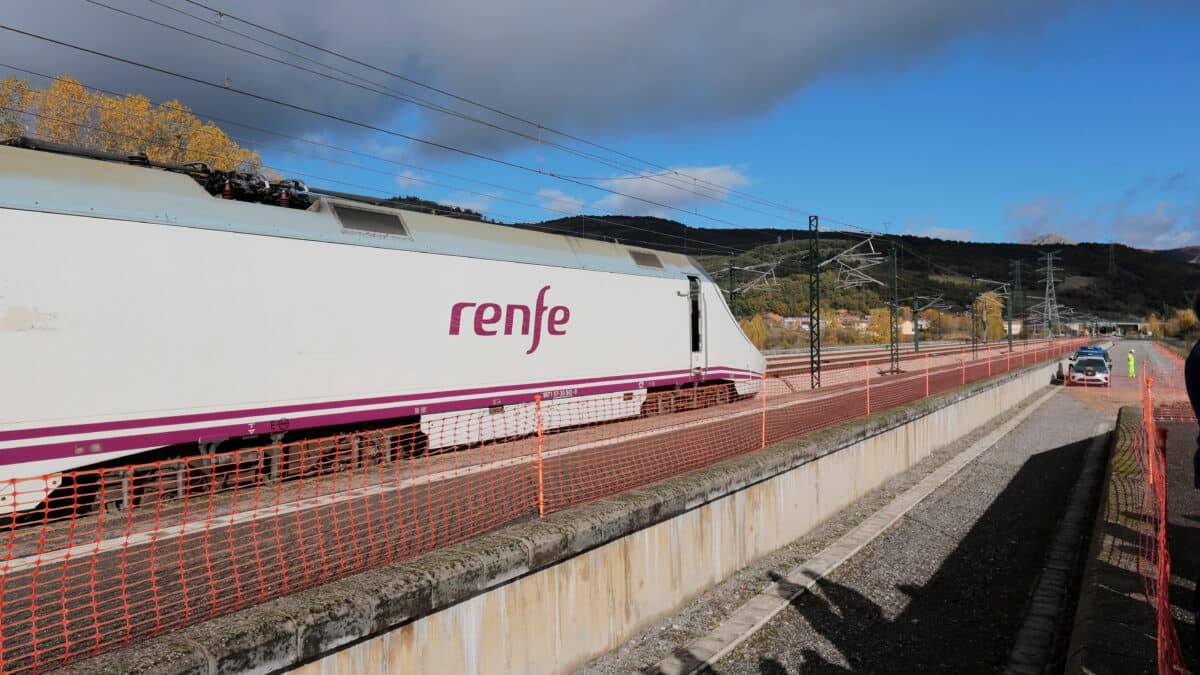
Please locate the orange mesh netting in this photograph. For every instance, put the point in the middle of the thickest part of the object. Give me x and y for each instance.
(126, 553)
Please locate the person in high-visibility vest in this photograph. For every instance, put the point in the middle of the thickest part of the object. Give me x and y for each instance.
(1132, 365)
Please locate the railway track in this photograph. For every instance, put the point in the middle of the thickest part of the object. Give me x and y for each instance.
(782, 365)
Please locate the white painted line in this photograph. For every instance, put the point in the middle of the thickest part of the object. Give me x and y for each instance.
(750, 617)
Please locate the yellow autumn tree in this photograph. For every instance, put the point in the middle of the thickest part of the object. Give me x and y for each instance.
(14, 101)
(1155, 325)
(989, 309)
(67, 112)
(935, 322)
(1187, 321)
(881, 325)
(755, 330)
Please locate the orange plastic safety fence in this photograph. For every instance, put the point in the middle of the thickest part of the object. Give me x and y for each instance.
(1154, 560)
(125, 553)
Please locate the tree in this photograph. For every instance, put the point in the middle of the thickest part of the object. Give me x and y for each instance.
(1187, 321)
(989, 307)
(67, 112)
(936, 323)
(14, 98)
(755, 330)
(881, 325)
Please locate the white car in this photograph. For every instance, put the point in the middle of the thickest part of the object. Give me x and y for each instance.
(1089, 371)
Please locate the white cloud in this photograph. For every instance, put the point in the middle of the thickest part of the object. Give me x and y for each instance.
(647, 193)
(950, 233)
(410, 180)
(469, 202)
(612, 67)
(559, 202)
(1038, 216)
(1157, 228)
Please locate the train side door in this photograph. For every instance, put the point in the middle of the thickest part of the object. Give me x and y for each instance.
(699, 359)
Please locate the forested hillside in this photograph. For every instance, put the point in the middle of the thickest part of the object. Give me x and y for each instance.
(1137, 283)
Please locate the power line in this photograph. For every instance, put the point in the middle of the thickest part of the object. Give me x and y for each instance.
(364, 125)
(714, 249)
(537, 125)
(384, 90)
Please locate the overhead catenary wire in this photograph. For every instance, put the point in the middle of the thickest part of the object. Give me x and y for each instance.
(690, 242)
(376, 190)
(356, 123)
(384, 90)
(663, 170)
(537, 125)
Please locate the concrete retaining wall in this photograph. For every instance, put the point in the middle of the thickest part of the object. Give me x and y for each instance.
(546, 596)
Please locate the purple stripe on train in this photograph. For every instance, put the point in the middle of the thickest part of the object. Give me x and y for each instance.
(94, 427)
(413, 406)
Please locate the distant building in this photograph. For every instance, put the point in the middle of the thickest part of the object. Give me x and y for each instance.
(862, 324)
(794, 322)
(1017, 326)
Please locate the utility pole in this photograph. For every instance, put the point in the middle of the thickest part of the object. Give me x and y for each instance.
(894, 313)
(974, 318)
(1008, 310)
(732, 290)
(1051, 322)
(916, 328)
(814, 301)
(1112, 260)
(1017, 287)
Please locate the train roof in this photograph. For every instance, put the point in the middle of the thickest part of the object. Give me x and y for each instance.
(34, 180)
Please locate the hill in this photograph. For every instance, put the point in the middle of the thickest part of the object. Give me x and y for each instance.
(1188, 254)
(1143, 282)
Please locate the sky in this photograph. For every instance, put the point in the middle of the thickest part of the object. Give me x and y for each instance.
(979, 121)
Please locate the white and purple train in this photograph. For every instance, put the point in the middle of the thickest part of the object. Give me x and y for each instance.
(140, 311)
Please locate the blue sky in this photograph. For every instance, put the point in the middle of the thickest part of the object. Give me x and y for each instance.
(1088, 126)
(971, 120)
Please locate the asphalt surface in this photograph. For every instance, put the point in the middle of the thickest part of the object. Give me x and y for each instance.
(945, 589)
(1183, 518)
(75, 587)
(1183, 536)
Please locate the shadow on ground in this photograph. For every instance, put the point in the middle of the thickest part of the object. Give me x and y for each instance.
(1183, 536)
(964, 619)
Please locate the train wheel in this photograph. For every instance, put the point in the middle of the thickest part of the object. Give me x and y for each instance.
(413, 442)
(116, 491)
(659, 403)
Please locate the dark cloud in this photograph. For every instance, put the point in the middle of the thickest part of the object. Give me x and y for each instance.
(591, 67)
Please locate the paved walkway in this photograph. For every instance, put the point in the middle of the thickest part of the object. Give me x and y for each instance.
(1183, 535)
(945, 588)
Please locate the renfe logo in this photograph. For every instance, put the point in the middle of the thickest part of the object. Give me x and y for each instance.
(487, 314)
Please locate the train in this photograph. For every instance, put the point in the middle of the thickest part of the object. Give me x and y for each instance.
(147, 307)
